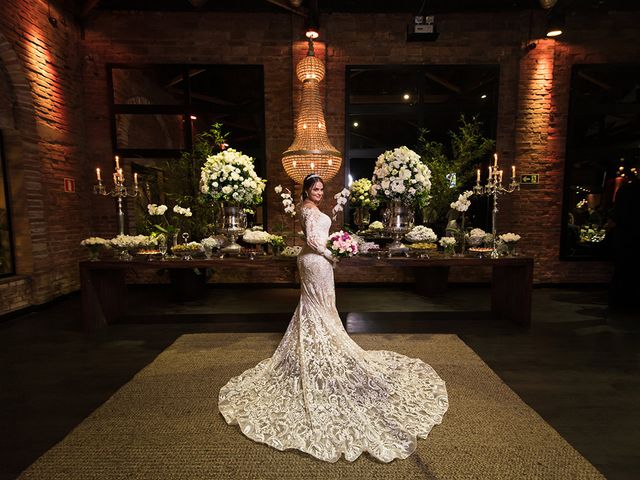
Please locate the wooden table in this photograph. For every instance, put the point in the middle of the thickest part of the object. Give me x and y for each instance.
(104, 288)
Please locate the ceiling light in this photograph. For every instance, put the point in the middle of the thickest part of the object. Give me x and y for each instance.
(355, 124)
(483, 96)
(406, 96)
(555, 24)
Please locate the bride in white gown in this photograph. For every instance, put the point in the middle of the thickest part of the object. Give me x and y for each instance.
(320, 392)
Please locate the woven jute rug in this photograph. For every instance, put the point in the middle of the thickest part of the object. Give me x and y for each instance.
(164, 424)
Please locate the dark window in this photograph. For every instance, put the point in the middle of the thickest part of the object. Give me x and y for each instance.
(157, 110)
(602, 154)
(7, 263)
(387, 106)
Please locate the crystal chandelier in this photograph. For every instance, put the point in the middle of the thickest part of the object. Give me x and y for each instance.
(311, 150)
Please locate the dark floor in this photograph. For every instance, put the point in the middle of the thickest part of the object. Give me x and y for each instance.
(577, 366)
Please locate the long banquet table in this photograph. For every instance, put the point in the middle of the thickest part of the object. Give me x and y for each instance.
(104, 287)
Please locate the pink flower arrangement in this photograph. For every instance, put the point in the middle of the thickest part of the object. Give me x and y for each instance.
(342, 244)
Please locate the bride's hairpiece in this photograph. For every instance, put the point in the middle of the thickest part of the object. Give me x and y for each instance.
(312, 175)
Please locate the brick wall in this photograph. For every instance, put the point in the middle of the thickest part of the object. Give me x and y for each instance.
(42, 128)
(59, 118)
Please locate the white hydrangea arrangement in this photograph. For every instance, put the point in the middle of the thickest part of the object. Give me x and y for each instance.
(400, 174)
(420, 233)
(477, 232)
(230, 176)
(377, 225)
(210, 243)
(256, 237)
(287, 200)
(131, 242)
(463, 203)
(509, 237)
(447, 242)
(95, 242)
(341, 200)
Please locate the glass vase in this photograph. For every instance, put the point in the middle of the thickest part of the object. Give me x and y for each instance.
(512, 250)
(398, 221)
(233, 224)
(361, 217)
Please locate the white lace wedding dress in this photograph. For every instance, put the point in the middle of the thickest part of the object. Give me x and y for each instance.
(320, 392)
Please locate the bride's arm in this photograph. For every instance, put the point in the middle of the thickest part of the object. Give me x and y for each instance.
(315, 236)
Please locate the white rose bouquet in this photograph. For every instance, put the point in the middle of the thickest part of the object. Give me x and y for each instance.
(509, 237)
(230, 176)
(256, 237)
(94, 245)
(447, 243)
(400, 174)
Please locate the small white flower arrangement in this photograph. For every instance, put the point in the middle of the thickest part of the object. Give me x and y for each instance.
(230, 176)
(130, 242)
(156, 210)
(256, 237)
(477, 232)
(509, 237)
(447, 242)
(463, 203)
(377, 225)
(341, 200)
(287, 200)
(400, 174)
(420, 233)
(210, 243)
(97, 242)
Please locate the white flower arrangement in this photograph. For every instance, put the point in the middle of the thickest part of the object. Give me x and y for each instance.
(400, 174)
(210, 242)
(287, 200)
(463, 203)
(420, 233)
(361, 194)
(341, 200)
(477, 232)
(447, 242)
(130, 242)
(377, 225)
(256, 237)
(230, 176)
(95, 242)
(509, 237)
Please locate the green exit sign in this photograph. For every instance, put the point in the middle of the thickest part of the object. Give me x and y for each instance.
(529, 178)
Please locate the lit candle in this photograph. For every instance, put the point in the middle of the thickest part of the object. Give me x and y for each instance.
(117, 163)
(478, 177)
(135, 178)
(115, 179)
(513, 172)
(490, 173)
(500, 176)
(495, 159)
(120, 175)
(98, 174)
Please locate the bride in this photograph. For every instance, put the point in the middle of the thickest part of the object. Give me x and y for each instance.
(320, 392)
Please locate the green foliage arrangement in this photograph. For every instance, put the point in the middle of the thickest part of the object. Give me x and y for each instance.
(468, 148)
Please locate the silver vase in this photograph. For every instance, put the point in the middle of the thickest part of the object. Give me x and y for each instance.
(398, 219)
(234, 223)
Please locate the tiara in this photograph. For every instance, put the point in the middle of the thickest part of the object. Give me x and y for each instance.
(312, 175)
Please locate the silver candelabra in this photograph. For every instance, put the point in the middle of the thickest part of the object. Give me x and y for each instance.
(494, 188)
(119, 191)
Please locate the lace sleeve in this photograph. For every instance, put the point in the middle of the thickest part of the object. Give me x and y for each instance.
(314, 233)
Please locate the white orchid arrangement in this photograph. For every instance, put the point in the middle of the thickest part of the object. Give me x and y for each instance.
(361, 194)
(168, 228)
(420, 233)
(287, 200)
(230, 176)
(341, 200)
(400, 174)
(463, 203)
(509, 237)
